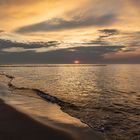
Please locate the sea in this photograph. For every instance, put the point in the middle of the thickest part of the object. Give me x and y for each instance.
(107, 97)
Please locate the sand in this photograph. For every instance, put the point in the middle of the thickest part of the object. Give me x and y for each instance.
(15, 125)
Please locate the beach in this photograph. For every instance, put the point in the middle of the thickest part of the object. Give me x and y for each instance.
(33, 118)
(15, 125)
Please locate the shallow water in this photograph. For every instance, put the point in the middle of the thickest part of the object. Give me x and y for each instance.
(108, 97)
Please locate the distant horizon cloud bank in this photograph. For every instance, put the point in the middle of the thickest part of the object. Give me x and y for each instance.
(50, 52)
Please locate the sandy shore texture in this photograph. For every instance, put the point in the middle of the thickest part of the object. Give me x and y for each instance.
(31, 118)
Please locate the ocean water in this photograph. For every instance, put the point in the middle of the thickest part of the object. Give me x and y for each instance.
(107, 96)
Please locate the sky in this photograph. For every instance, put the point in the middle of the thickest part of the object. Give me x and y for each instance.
(62, 31)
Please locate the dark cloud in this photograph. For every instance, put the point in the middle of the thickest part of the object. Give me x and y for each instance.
(109, 32)
(88, 54)
(105, 33)
(59, 57)
(99, 41)
(61, 24)
(26, 45)
(130, 39)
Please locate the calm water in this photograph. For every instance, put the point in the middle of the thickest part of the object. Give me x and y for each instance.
(108, 97)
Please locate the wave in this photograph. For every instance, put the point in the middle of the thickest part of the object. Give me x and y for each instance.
(44, 95)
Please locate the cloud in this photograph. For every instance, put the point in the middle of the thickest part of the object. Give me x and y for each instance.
(121, 57)
(39, 52)
(1, 31)
(109, 31)
(88, 54)
(56, 24)
(135, 3)
(35, 50)
(115, 37)
(105, 33)
(131, 39)
(16, 2)
(13, 46)
(14, 49)
(105, 37)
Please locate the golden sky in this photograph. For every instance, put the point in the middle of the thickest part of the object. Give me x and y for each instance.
(74, 23)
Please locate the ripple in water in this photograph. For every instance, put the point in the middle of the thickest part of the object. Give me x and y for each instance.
(108, 97)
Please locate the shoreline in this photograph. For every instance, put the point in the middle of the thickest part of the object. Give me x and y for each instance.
(16, 125)
(51, 116)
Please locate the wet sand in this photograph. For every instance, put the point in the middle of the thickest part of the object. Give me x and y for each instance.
(15, 125)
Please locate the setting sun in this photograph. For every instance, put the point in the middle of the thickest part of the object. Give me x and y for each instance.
(76, 62)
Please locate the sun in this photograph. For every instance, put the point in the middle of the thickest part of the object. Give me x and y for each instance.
(76, 62)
